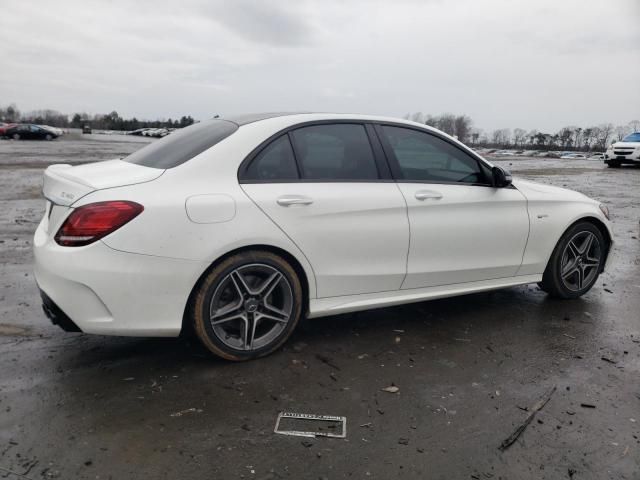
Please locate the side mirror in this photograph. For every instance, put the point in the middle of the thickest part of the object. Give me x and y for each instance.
(501, 177)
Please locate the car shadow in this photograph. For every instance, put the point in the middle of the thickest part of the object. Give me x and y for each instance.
(497, 316)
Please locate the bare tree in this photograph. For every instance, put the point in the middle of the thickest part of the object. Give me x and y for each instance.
(605, 131)
(621, 131)
(462, 127)
(565, 137)
(519, 137)
(447, 123)
(417, 117)
(634, 125)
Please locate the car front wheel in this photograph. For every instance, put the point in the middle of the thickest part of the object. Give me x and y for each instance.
(247, 306)
(16, 136)
(576, 262)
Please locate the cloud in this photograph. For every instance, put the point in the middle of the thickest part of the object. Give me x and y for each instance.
(511, 64)
(263, 22)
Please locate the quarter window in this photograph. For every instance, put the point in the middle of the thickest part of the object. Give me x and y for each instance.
(275, 162)
(423, 157)
(334, 152)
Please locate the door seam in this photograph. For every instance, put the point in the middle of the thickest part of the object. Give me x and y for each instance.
(406, 211)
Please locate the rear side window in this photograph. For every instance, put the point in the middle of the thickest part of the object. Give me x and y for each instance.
(334, 152)
(182, 145)
(274, 163)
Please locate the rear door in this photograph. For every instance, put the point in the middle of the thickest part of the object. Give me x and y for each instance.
(327, 187)
(462, 228)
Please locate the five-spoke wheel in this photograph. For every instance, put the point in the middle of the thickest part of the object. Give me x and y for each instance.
(248, 305)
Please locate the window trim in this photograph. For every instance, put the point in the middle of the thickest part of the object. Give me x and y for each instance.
(382, 165)
(394, 165)
(287, 138)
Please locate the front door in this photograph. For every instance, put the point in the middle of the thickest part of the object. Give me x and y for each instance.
(462, 228)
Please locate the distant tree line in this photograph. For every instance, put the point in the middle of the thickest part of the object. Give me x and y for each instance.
(109, 121)
(567, 138)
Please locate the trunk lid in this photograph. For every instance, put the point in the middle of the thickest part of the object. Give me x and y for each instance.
(65, 184)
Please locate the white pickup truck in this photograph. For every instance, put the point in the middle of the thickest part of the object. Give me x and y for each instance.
(625, 151)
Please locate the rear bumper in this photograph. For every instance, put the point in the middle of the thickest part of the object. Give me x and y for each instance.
(54, 313)
(96, 289)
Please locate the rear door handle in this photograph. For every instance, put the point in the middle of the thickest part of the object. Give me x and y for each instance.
(288, 200)
(428, 194)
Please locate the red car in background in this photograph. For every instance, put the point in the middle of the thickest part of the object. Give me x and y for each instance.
(4, 127)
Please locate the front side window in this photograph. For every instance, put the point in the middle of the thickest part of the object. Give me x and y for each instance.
(274, 163)
(423, 157)
(334, 152)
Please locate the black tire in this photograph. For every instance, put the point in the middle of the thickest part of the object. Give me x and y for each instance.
(581, 269)
(226, 337)
(16, 136)
(48, 137)
(614, 164)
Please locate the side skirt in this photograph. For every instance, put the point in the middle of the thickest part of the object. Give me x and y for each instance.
(321, 307)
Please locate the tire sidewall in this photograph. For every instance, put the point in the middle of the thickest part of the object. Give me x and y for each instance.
(208, 286)
(553, 273)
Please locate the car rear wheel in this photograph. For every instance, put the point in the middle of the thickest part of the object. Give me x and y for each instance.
(247, 306)
(16, 136)
(576, 262)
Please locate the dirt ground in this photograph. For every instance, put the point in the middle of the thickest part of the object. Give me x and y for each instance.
(89, 407)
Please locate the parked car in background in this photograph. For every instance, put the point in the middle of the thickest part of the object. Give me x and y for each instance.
(138, 132)
(86, 128)
(4, 127)
(156, 132)
(626, 151)
(58, 131)
(28, 131)
(572, 155)
(240, 227)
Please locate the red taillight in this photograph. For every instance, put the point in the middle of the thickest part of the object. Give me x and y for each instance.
(91, 222)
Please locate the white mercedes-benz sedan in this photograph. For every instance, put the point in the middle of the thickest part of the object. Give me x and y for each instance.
(237, 228)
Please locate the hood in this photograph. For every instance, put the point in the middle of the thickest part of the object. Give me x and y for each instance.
(65, 184)
(539, 191)
(626, 144)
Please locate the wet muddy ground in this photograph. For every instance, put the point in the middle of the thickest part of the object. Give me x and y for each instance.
(467, 369)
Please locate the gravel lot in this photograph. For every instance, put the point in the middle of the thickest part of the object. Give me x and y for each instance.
(75, 406)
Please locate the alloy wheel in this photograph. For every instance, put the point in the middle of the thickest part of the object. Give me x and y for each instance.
(251, 306)
(580, 261)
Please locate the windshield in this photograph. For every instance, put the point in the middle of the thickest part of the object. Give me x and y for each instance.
(634, 137)
(182, 145)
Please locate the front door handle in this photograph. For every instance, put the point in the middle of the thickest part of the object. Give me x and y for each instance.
(428, 194)
(288, 200)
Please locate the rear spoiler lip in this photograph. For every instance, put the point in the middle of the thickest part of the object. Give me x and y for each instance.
(65, 198)
(66, 190)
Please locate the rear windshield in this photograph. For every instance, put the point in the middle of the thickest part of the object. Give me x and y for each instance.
(634, 137)
(183, 144)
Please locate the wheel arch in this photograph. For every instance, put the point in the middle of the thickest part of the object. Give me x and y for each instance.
(596, 222)
(293, 261)
(606, 234)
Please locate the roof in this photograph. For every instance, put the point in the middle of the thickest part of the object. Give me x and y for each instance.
(256, 117)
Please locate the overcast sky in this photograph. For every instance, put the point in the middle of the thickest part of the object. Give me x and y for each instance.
(507, 63)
